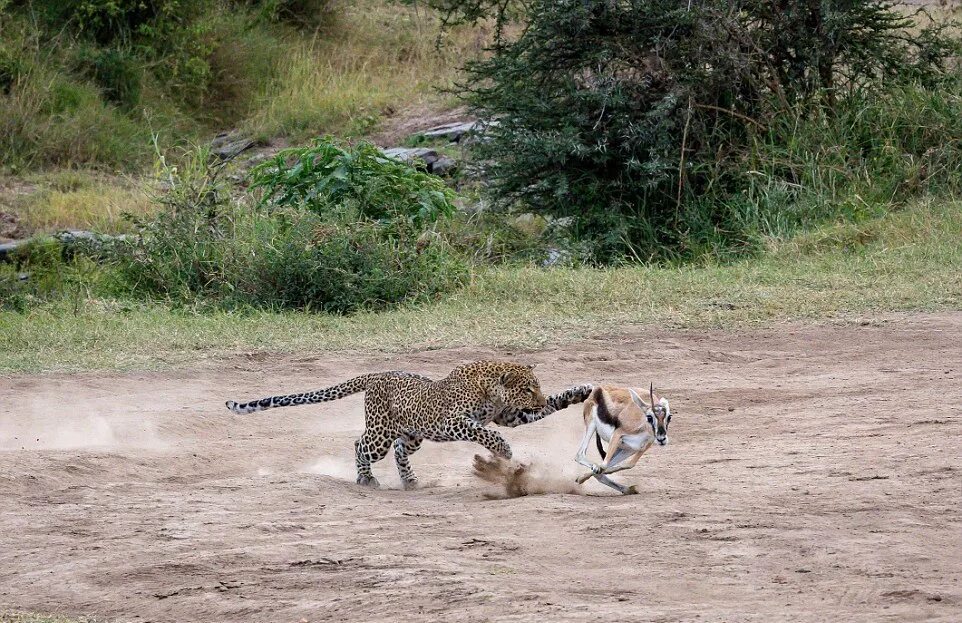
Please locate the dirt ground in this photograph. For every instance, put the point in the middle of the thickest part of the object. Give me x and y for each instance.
(814, 473)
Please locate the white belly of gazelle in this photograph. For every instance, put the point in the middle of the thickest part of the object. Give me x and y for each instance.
(632, 442)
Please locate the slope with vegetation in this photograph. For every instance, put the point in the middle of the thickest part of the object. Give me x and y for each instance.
(92, 83)
(646, 161)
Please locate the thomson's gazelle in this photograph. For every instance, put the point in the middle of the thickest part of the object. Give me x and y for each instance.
(620, 417)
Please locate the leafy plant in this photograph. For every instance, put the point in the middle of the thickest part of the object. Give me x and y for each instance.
(207, 248)
(325, 177)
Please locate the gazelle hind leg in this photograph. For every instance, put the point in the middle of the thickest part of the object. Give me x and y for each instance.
(620, 488)
(404, 447)
(582, 456)
(613, 460)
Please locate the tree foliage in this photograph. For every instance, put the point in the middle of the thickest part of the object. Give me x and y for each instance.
(624, 114)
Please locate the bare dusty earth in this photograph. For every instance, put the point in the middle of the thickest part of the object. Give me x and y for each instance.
(814, 474)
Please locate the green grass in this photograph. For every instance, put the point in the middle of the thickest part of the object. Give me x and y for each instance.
(906, 261)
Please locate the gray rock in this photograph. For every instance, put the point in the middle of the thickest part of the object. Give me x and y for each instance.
(453, 132)
(226, 146)
(7, 249)
(410, 154)
(434, 162)
(556, 257)
(73, 240)
(443, 166)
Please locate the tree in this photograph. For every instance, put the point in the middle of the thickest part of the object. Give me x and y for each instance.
(621, 114)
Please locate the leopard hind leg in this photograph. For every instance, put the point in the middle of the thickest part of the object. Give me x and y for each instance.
(466, 429)
(404, 446)
(369, 449)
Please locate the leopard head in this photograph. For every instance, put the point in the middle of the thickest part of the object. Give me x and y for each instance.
(518, 387)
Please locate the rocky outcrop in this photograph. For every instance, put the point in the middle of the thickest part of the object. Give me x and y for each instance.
(435, 163)
(453, 132)
(228, 145)
(73, 241)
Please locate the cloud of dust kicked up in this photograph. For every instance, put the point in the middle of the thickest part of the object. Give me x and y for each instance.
(520, 479)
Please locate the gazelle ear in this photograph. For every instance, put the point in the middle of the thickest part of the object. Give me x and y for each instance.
(637, 400)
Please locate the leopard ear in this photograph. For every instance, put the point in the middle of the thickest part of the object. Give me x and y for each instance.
(530, 366)
(508, 378)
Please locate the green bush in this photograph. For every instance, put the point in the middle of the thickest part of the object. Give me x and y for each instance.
(171, 37)
(118, 74)
(208, 248)
(301, 13)
(43, 269)
(326, 176)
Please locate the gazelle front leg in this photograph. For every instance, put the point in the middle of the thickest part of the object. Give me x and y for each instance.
(631, 461)
(615, 456)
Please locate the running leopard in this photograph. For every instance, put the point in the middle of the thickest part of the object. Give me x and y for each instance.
(402, 409)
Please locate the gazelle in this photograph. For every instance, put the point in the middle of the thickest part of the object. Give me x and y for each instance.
(620, 417)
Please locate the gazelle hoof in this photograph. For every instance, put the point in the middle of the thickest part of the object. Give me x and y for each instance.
(632, 490)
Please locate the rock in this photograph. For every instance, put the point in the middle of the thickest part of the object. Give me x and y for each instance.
(226, 146)
(74, 236)
(443, 166)
(410, 154)
(7, 249)
(556, 257)
(433, 161)
(453, 132)
(73, 240)
(458, 131)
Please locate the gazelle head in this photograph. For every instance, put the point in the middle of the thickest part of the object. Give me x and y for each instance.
(658, 414)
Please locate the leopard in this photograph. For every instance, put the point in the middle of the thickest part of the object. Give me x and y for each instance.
(403, 409)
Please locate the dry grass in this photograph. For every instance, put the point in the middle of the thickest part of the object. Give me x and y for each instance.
(375, 59)
(79, 200)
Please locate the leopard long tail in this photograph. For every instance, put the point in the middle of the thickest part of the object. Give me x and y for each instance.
(334, 392)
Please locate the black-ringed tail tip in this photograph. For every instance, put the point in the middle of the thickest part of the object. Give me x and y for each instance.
(248, 407)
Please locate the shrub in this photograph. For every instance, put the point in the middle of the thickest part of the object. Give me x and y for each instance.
(169, 36)
(208, 247)
(326, 176)
(116, 72)
(301, 13)
(48, 119)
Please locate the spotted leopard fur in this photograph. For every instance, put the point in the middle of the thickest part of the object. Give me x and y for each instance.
(403, 409)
